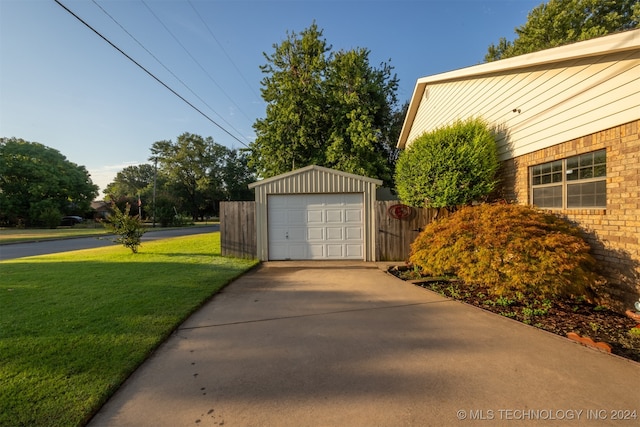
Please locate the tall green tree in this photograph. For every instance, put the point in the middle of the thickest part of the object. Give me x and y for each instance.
(559, 22)
(361, 100)
(37, 181)
(186, 164)
(236, 176)
(131, 181)
(291, 134)
(325, 108)
(195, 174)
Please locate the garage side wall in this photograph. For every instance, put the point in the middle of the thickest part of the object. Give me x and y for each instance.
(316, 181)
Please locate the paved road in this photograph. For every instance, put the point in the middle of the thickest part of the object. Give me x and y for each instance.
(20, 250)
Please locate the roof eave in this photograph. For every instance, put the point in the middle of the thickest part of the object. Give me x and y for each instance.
(626, 40)
(314, 167)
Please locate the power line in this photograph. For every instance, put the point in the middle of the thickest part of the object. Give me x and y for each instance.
(165, 67)
(195, 60)
(223, 49)
(150, 73)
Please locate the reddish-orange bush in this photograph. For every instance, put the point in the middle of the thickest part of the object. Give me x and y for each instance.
(509, 248)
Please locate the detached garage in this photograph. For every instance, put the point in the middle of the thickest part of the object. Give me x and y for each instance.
(316, 213)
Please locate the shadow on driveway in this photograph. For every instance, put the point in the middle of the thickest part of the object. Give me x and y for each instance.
(346, 344)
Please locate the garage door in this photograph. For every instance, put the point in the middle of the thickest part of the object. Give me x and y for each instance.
(316, 226)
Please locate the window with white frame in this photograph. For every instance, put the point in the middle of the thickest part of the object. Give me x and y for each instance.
(572, 183)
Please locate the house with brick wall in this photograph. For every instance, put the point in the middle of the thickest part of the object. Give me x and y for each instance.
(567, 125)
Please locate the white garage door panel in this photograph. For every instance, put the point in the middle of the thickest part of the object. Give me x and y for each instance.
(316, 226)
(335, 251)
(353, 215)
(354, 233)
(315, 233)
(334, 233)
(315, 252)
(354, 251)
(314, 216)
(295, 216)
(334, 216)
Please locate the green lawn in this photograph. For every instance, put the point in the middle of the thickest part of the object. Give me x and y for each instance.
(73, 326)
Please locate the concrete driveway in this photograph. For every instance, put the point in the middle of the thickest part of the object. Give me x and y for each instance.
(345, 344)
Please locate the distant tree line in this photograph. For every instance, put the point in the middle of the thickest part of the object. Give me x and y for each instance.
(187, 179)
(190, 176)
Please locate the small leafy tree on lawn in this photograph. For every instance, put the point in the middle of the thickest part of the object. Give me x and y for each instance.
(129, 228)
(449, 167)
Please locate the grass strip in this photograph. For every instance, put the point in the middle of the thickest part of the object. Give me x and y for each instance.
(73, 326)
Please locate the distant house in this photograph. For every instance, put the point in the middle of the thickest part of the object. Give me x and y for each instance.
(568, 126)
(102, 209)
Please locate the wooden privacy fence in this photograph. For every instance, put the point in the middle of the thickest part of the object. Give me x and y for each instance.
(238, 229)
(397, 226)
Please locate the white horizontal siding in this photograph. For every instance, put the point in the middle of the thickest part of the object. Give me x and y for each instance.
(556, 102)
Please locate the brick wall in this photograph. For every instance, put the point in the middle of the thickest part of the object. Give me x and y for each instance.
(614, 232)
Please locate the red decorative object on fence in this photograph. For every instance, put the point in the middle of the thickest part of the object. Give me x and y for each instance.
(400, 211)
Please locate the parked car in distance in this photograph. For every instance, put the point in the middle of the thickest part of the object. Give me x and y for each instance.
(71, 220)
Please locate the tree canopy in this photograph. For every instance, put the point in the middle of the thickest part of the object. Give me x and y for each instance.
(187, 177)
(186, 164)
(131, 181)
(197, 173)
(559, 22)
(327, 108)
(37, 183)
(448, 167)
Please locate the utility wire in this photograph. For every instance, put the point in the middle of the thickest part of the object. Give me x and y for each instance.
(196, 61)
(165, 67)
(223, 49)
(149, 73)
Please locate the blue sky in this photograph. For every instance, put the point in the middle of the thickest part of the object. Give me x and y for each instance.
(63, 86)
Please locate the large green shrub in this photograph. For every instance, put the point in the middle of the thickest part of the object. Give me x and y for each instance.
(50, 217)
(46, 213)
(449, 167)
(509, 248)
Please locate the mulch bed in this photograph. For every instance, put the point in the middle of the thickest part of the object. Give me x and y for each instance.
(559, 316)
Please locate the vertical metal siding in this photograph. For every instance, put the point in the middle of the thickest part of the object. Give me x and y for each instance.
(310, 182)
(313, 181)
